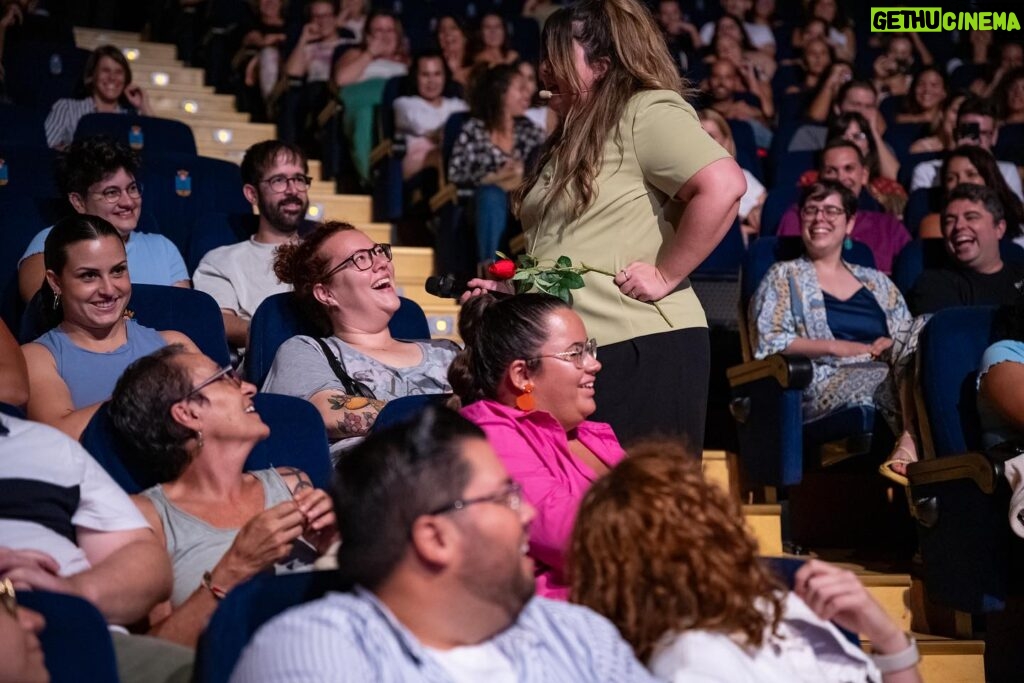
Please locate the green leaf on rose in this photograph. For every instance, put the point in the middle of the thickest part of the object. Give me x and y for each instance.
(563, 262)
(572, 280)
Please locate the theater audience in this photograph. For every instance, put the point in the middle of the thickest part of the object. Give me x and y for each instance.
(882, 232)
(928, 90)
(453, 43)
(109, 88)
(193, 425)
(972, 165)
(681, 36)
(839, 35)
(975, 125)
(259, 56)
(99, 177)
(904, 52)
(436, 584)
(526, 377)
(973, 223)
(1010, 98)
(940, 138)
(753, 199)
(240, 276)
(666, 556)
(421, 115)
(72, 368)
(96, 545)
(841, 95)
(345, 284)
(851, 321)
(882, 185)
(491, 151)
(492, 45)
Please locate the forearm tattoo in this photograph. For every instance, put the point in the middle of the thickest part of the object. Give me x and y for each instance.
(357, 414)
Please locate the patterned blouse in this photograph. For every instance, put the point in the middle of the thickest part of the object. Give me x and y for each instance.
(474, 155)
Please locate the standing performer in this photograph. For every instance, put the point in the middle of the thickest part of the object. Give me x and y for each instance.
(630, 183)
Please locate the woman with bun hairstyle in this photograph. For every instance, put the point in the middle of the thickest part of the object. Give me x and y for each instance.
(526, 377)
(345, 284)
(630, 184)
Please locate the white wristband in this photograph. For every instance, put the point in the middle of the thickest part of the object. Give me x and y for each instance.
(898, 661)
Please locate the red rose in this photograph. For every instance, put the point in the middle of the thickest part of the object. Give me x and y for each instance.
(502, 270)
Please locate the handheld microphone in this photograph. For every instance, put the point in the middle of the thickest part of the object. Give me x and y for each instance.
(447, 286)
(547, 94)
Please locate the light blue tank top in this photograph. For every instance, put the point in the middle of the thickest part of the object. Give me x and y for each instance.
(91, 375)
(195, 546)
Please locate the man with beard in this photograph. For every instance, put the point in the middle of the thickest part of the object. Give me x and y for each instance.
(437, 583)
(240, 276)
(884, 233)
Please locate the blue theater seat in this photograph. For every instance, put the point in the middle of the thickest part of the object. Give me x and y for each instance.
(76, 641)
(150, 135)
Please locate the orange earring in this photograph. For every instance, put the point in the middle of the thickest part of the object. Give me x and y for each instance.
(525, 401)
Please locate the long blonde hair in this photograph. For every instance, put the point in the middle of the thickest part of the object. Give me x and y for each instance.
(623, 34)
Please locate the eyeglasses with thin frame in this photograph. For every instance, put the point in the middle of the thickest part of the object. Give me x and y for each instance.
(279, 183)
(112, 195)
(831, 212)
(9, 597)
(511, 496)
(362, 259)
(227, 372)
(575, 356)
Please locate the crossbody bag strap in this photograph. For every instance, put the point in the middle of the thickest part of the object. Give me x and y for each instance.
(351, 386)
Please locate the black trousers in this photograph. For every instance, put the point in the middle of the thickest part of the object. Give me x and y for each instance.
(656, 385)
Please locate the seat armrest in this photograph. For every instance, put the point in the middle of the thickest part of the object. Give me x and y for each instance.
(791, 371)
(977, 467)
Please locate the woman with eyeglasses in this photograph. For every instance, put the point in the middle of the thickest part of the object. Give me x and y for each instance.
(850, 320)
(21, 655)
(73, 367)
(193, 425)
(526, 377)
(345, 284)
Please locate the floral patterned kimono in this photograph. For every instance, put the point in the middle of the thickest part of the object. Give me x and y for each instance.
(789, 304)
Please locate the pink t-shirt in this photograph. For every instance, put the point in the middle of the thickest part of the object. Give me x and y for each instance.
(535, 450)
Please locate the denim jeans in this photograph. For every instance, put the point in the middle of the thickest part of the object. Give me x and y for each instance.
(491, 220)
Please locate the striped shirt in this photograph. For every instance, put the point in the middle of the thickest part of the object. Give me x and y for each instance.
(354, 637)
(64, 116)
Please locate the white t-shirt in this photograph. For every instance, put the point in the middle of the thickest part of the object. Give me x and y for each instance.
(239, 276)
(759, 34)
(926, 174)
(417, 117)
(750, 198)
(475, 663)
(807, 650)
(50, 487)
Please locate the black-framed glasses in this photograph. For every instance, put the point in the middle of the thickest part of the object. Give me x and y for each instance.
(511, 496)
(9, 597)
(112, 195)
(576, 355)
(831, 212)
(279, 183)
(227, 372)
(362, 259)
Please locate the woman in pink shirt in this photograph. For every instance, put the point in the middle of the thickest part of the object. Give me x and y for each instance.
(526, 377)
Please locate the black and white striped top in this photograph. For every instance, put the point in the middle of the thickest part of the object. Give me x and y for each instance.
(64, 116)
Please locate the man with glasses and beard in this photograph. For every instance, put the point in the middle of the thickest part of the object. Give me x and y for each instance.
(240, 276)
(437, 583)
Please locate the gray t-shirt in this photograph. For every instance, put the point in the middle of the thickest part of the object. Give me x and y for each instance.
(301, 369)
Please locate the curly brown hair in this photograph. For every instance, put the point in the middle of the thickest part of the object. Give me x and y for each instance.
(658, 549)
(301, 265)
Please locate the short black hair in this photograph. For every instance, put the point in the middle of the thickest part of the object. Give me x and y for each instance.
(87, 162)
(388, 481)
(981, 194)
(976, 106)
(261, 157)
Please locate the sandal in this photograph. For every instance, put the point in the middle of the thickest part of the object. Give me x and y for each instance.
(886, 470)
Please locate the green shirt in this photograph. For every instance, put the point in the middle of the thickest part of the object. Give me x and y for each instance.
(632, 217)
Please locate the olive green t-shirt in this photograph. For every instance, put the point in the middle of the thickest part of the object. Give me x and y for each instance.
(632, 218)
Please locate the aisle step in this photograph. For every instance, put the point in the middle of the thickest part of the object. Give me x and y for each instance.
(944, 660)
(351, 208)
(91, 38)
(765, 523)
